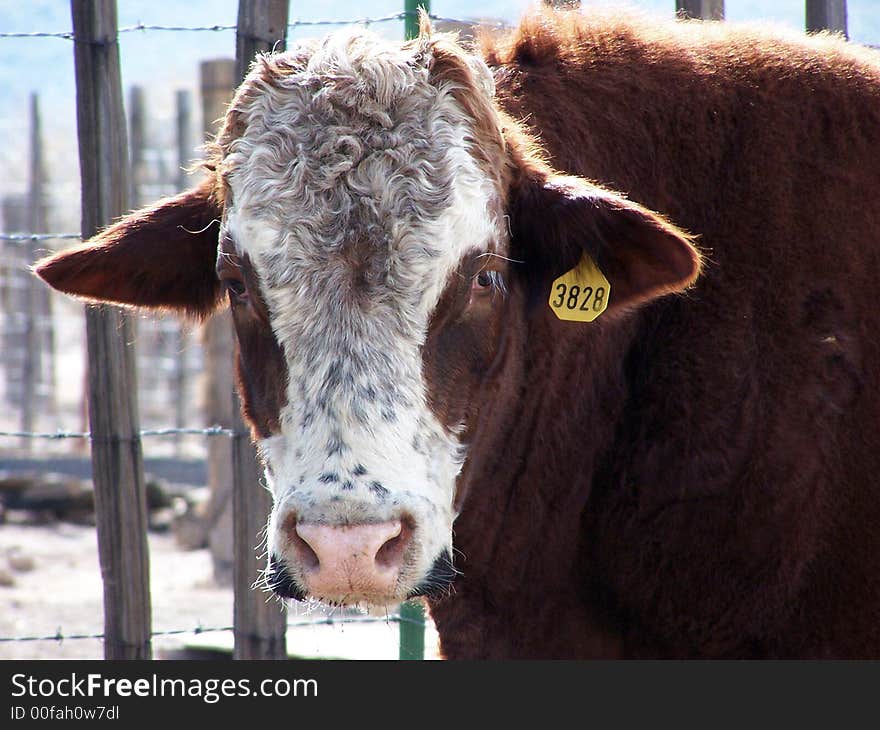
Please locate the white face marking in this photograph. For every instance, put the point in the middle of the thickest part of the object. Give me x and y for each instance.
(357, 157)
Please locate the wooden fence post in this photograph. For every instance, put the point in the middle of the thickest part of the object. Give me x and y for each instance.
(143, 331)
(827, 15)
(117, 461)
(37, 313)
(39, 205)
(184, 155)
(183, 124)
(260, 625)
(700, 9)
(262, 27)
(563, 4)
(137, 141)
(217, 83)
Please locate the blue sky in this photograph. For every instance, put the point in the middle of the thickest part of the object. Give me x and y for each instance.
(165, 61)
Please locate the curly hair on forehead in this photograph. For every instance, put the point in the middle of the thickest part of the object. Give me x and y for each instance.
(370, 77)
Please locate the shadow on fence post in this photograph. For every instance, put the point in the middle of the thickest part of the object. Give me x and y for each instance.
(827, 15)
(700, 9)
(259, 625)
(117, 461)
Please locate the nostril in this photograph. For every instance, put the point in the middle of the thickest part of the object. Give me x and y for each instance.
(305, 555)
(391, 554)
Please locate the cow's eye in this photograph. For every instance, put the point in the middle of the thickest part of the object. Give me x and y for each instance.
(230, 275)
(236, 288)
(487, 282)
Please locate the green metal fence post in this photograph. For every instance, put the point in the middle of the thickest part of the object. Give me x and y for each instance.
(412, 630)
(411, 19)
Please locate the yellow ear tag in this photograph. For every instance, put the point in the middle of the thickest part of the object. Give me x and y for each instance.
(581, 294)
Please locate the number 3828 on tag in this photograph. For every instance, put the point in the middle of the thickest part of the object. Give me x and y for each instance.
(580, 294)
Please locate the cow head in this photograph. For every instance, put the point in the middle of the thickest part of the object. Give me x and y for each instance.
(364, 206)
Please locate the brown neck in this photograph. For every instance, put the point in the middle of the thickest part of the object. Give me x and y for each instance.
(525, 583)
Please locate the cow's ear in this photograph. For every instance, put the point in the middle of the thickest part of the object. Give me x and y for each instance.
(161, 257)
(642, 255)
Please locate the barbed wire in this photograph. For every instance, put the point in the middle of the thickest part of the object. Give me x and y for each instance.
(292, 25)
(60, 434)
(34, 237)
(209, 431)
(60, 636)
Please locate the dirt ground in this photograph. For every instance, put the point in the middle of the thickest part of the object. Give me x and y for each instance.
(50, 584)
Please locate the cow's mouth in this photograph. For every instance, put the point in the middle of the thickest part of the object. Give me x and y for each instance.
(280, 582)
(436, 584)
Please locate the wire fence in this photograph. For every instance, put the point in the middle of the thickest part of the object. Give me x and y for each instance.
(36, 237)
(292, 25)
(208, 431)
(59, 636)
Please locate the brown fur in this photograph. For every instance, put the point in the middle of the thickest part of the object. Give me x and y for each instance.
(698, 479)
(260, 367)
